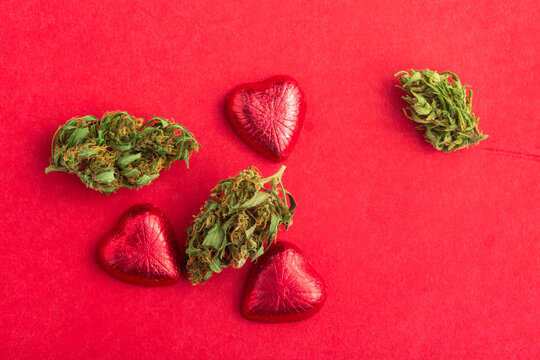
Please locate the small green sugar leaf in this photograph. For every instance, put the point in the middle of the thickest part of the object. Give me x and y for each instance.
(258, 253)
(130, 172)
(145, 179)
(256, 200)
(250, 231)
(77, 137)
(87, 153)
(105, 177)
(125, 160)
(274, 222)
(215, 236)
(193, 250)
(215, 265)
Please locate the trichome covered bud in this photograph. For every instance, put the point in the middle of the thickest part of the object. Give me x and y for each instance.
(442, 107)
(119, 150)
(239, 221)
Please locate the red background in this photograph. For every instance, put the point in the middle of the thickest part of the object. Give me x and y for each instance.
(426, 254)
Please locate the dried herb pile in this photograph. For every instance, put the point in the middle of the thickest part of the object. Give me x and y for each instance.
(119, 150)
(240, 220)
(442, 107)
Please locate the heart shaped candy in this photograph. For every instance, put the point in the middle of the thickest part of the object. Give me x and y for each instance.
(268, 115)
(282, 286)
(142, 249)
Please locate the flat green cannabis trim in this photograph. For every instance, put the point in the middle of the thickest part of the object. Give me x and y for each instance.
(442, 107)
(240, 220)
(119, 150)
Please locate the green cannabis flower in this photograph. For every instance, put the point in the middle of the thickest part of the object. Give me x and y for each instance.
(119, 150)
(240, 220)
(443, 108)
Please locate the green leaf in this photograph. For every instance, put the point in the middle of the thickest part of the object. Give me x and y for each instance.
(121, 147)
(77, 137)
(274, 223)
(100, 137)
(148, 131)
(89, 118)
(258, 253)
(215, 236)
(192, 250)
(259, 198)
(125, 160)
(292, 201)
(145, 179)
(87, 153)
(249, 232)
(212, 206)
(229, 222)
(215, 265)
(105, 177)
(130, 172)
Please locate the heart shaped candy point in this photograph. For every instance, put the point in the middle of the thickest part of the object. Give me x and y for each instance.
(142, 249)
(282, 286)
(268, 115)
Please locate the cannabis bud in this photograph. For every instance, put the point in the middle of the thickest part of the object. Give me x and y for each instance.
(240, 220)
(119, 150)
(442, 107)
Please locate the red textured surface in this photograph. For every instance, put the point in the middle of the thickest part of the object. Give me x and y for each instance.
(425, 254)
(268, 115)
(142, 248)
(282, 286)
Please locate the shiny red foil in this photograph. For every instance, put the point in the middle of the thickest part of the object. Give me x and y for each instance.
(142, 249)
(282, 286)
(268, 115)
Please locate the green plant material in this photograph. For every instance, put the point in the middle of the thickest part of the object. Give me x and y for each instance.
(119, 150)
(240, 220)
(442, 107)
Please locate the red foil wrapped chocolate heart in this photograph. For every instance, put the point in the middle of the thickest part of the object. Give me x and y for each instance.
(268, 115)
(282, 286)
(142, 249)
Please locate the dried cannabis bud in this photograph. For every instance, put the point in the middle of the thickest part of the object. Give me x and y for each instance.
(119, 150)
(443, 108)
(240, 220)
